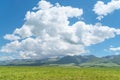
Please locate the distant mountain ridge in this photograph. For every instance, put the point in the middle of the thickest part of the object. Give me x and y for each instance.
(82, 61)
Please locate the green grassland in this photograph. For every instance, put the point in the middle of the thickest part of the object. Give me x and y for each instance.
(58, 73)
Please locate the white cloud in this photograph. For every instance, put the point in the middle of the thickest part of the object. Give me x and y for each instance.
(11, 37)
(93, 34)
(3, 58)
(43, 5)
(23, 32)
(47, 33)
(102, 9)
(11, 47)
(115, 49)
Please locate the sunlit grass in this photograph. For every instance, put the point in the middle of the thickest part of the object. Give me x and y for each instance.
(58, 73)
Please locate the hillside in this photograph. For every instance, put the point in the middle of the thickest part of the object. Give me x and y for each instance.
(82, 61)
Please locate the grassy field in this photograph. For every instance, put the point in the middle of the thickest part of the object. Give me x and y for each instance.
(58, 73)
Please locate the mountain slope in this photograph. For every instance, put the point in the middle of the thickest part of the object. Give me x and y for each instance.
(83, 61)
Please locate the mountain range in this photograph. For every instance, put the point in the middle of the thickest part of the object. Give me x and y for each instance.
(81, 61)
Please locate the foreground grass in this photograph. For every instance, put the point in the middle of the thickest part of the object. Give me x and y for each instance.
(58, 73)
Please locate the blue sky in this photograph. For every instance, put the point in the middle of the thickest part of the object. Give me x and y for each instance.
(16, 28)
(12, 15)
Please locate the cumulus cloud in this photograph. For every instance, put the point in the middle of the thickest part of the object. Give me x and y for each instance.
(47, 33)
(23, 32)
(43, 5)
(102, 9)
(11, 37)
(93, 34)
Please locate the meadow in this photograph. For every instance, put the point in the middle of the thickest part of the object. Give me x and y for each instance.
(58, 73)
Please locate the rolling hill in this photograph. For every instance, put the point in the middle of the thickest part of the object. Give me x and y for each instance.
(82, 61)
